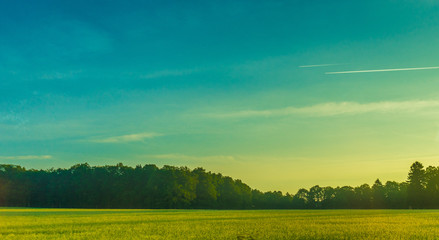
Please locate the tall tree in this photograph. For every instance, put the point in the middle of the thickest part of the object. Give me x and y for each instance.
(315, 197)
(206, 193)
(416, 180)
(378, 195)
(363, 196)
(432, 186)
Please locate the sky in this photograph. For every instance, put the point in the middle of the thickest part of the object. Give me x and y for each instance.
(279, 94)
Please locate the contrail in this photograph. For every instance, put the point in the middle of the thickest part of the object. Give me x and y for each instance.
(318, 65)
(383, 70)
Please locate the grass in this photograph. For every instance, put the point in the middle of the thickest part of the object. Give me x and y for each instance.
(210, 224)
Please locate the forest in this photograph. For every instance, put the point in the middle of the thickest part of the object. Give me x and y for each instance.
(151, 187)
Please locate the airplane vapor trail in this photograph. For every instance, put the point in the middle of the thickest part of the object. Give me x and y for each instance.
(383, 70)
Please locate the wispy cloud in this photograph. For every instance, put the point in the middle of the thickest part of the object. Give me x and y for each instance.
(319, 65)
(334, 108)
(12, 118)
(192, 158)
(126, 138)
(384, 70)
(26, 157)
(59, 75)
(225, 158)
(169, 73)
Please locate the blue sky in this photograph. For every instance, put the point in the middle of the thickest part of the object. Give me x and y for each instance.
(258, 90)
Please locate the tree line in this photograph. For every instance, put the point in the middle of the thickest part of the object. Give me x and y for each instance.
(120, 186)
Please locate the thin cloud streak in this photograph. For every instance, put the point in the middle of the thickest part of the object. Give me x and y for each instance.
(126, 138)
(170, 73)
(222, 158)
(26, 157)
(334, 108)
(383, 70)
(319, 65)
(192, 158)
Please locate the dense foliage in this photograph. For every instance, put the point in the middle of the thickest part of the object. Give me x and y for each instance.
(83, 186)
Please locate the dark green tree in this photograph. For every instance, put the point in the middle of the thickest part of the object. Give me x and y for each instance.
(315, 197)
(416, 187)
(363, 196)
(432, 187)
(300, 199)
(378, 195)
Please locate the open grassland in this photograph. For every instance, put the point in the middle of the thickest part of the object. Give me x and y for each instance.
(210, 224)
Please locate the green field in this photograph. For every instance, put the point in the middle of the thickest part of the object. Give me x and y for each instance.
(211, 224)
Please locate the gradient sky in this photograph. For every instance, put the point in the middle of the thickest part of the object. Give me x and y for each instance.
(280, 94)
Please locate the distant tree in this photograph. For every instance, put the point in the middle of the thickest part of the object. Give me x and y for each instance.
(315, 197)
(5, 184)
(328, 197)
(363, 196)
(344, 197)
(378, 195)
(432, 187)
(300, 199)
(395, 195)
(416, 180)
(206, 193)
(229, 194)
(259, 200)
(271, 200)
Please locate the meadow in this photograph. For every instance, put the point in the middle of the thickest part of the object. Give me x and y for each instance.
(23, 223)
